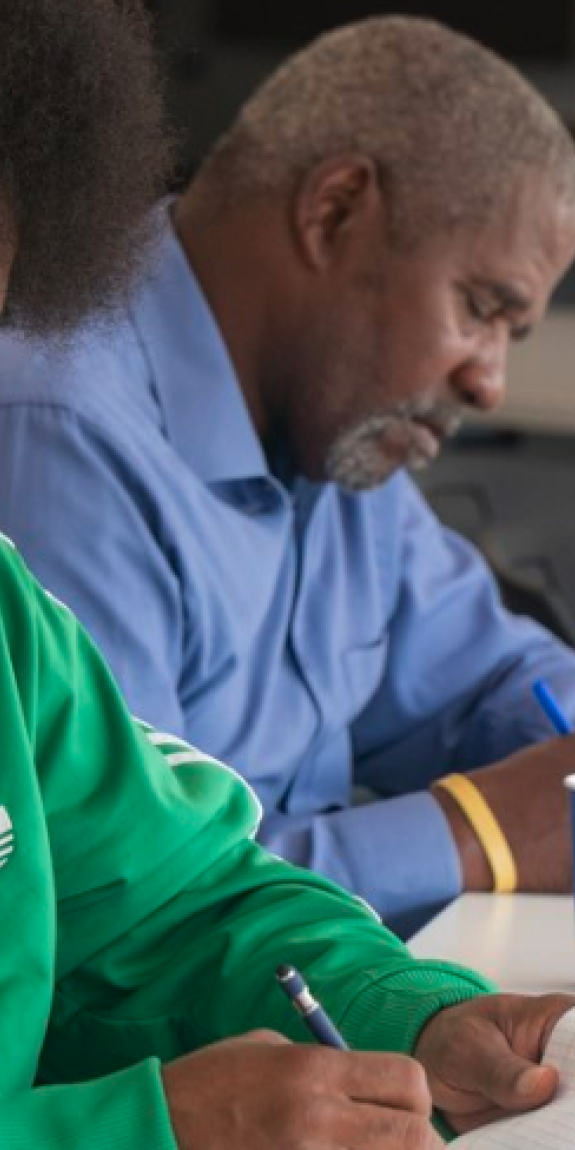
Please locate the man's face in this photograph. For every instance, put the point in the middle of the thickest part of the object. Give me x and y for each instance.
(407, 341)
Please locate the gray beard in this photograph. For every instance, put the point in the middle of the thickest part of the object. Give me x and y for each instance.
(364, 456)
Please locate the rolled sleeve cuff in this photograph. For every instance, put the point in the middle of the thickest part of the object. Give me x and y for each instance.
(390, 1013)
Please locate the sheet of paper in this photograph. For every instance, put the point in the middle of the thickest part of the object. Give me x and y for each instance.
(552, 1127)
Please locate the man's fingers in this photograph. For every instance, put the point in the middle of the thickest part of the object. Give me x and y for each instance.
(259, 1089)
(377, 1126)
(391, 1080)
(513, 1083)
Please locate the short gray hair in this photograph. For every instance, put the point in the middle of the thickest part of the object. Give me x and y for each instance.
(449, 124)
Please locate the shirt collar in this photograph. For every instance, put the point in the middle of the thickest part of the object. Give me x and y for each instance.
(205, 414)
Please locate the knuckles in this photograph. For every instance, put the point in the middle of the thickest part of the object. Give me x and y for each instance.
(314, 1065)
(303, 1115)
(410, 1131)
(384, 1077)
(414, 1082)
(321, 1118)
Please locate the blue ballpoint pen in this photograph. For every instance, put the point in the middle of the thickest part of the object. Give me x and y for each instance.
(551, 708)
(311, 1012)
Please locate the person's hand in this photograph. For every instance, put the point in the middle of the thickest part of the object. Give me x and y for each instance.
(529, 800)
(260, 1090)
(481, 1056)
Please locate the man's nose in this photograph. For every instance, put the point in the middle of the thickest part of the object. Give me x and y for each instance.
(480, 380)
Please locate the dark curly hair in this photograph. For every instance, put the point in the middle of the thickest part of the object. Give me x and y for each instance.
(83, 153)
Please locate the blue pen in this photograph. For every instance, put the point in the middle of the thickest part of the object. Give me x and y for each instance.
(552, 708)
(311, 1012)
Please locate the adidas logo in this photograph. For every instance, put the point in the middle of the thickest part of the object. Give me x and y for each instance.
(6, 836)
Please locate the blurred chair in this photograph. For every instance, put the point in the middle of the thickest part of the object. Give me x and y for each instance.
(531, 561)
(523, 562)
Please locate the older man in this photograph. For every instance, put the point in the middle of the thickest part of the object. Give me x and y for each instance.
(217, 486)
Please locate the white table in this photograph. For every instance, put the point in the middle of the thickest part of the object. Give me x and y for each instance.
(525, 943)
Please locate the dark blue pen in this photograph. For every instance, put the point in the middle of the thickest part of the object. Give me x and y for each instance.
(311, 1012)
(552, 708)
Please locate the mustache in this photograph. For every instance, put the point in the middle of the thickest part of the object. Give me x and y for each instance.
(351, 461)
(443, 417)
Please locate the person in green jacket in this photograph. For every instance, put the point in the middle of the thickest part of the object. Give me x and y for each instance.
(141, 929)
(141, 922)
(141, 925)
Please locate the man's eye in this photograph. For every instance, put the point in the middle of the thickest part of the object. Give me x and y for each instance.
(480, 309)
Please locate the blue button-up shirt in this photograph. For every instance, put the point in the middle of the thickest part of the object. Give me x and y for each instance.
(317, 640)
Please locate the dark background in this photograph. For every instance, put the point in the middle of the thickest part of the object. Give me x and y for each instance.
(515, 30)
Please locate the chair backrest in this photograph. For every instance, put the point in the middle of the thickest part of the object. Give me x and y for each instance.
(533, 563)
(523, 561)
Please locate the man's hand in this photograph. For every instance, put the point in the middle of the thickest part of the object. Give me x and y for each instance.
(481, 1056)
(528, 798)
(258, 1091)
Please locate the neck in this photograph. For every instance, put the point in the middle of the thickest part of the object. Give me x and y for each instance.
(229, 253)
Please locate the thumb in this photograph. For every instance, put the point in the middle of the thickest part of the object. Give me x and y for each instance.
(515, 1084)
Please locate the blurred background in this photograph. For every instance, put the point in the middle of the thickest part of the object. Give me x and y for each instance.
(508, 480)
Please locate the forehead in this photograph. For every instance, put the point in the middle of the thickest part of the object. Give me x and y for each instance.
(530, 236)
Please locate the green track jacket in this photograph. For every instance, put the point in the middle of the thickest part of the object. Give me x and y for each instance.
(138, 918)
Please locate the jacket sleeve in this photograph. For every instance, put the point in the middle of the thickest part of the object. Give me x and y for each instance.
(148, 922)
(398, 852)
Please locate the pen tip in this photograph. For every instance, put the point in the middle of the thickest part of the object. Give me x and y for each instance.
(283, 971)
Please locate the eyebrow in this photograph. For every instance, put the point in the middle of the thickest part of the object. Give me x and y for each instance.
(510, 299)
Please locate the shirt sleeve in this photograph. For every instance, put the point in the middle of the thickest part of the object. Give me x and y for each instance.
(457, 689)
(64, 476)
(399, 852)
(456, 693)
(148, 921)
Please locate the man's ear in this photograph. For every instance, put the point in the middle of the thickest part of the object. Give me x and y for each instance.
(330, 201)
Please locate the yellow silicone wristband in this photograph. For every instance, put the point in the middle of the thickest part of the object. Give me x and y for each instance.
(479, 814)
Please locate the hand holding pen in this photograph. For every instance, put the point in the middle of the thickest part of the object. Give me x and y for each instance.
(526, 791)
(402, 1107)
(259, 1090)
(525, 794)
